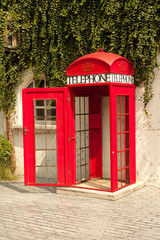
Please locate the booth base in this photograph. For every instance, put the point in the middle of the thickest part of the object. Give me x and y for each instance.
(100, 194)
(96, 183)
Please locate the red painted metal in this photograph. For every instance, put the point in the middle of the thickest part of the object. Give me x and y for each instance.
(60, 94)
(95, 63)
(116, 90)
(100, 62)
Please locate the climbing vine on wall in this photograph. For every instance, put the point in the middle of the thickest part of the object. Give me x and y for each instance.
(53, 33)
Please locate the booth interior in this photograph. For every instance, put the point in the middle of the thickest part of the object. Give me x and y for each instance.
(90, 106)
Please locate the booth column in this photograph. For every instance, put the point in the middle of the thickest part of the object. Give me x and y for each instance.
(113, 139)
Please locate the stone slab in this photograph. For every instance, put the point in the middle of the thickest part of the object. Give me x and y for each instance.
(100, 194)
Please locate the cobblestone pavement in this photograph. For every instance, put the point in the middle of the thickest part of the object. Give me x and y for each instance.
(38, 213)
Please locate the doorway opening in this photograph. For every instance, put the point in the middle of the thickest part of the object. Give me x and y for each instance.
(92, 132)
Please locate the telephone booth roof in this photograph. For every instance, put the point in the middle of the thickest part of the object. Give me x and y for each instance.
(100, 62)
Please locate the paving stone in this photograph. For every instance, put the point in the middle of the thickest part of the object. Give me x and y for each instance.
(38, 213)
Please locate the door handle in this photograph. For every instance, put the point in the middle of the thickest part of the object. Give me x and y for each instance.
(25, 131)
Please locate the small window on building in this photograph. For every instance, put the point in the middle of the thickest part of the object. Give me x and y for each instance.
(10, 37)
(37, 84)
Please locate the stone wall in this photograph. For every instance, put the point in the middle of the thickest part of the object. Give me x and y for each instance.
(148, 135)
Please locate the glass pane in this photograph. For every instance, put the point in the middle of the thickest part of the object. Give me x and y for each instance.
(123, 177)
(82, 122)
(82, 104)
(45, 142)
(119, 179)
(87, 155)
(86, 118)
(123, 159)
(127, 123)
(50, 103)
(127, 175)
(39, 114)
(119, 160)
(52, 140)
(127, 104)
(118, 124)
(51, 113)
(78, 174)
(122, 123)
(78, 139)
(123, 141)
(78, 157)
(87, 138)
(39, 102)
(83, 172)
(41, 175)
(51, 174)
(51, 157)
(51, 121)
(127, 140)
(82, 139)
(83, 157)
(77, 122)
(122, 104)
(86, 105)
(39, 141)
(118, 142)
(87, 171)
(77, 110)
(118, 104)
(127, 158)
(40, 158)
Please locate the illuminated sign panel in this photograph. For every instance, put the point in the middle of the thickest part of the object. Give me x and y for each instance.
(100, 78)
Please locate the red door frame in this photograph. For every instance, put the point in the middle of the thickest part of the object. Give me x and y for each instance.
(95, 164)
(114, 90)
(29, 95)
(124, 90)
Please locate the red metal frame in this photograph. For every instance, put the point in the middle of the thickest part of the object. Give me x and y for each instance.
(117, 90)
(96, 63)
(67, 169)
(100, 62)
(29, 95)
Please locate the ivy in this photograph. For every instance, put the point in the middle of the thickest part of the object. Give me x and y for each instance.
(51, 34)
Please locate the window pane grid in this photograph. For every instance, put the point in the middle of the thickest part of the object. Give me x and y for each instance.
(123, 145)
(82, 138)
(45, 141)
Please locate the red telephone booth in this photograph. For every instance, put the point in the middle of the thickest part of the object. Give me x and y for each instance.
(83, 135)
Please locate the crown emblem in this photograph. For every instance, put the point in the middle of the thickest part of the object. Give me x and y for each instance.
(87, 67)
(122, 66)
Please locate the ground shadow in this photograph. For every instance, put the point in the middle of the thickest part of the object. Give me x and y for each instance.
(21, 188)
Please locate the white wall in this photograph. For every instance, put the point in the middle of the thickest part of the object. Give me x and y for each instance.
(148, 135)
(18, 123)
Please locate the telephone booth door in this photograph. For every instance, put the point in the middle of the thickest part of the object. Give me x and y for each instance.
(45, 121)
(122, 127)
